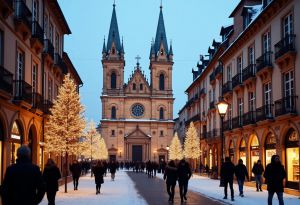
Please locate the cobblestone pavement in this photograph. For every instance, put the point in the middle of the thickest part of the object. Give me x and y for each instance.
(154, 192)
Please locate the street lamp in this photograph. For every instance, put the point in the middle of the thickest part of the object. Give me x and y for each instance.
(222, 109)
(167, 151)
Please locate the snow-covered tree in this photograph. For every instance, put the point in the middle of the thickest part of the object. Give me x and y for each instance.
(175, 151)
(66, 123)
(191, 143)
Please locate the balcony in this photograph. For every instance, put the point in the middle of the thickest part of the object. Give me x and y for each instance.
(227, 87)
(6, 82)
(264, 113)
(285, 49)
(48, 50)
(212, 135)
(212, 105)
(227, 125)
(249, 72)
(264, 62)
(47, 105)
(212, 78)
(6, 8)
(202, 92)
(218, 71)
(37, 38)
(38, 101)
(286, 106)
(237, 81)
(249, 118)
(22, 19)
(22, 92)
(60, 64)
(194, 119)
(237, 122)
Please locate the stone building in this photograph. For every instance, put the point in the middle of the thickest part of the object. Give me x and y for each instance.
(137, 116)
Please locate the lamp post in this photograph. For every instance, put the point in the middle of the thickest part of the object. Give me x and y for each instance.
(222, 109)
(167, 152)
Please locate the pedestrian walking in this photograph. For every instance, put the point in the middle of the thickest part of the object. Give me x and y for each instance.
(274, 175)
(98, 171)
(258, 170)
(76, 171)
(51, 175)
(23, 182)
(241, 174)
(227, 172)
(184, 174)
(170, 176)
(113, 169)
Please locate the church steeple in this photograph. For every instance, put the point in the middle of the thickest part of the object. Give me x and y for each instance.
(113, 41)
(161, 37)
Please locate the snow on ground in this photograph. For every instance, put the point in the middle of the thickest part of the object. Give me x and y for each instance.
(120, 191)
(210, 188)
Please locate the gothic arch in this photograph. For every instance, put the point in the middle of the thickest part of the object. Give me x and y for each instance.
(21, 122)
(285, 130)
(265, 134)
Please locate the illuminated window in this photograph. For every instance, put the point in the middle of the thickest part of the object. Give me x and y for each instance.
(292, 156)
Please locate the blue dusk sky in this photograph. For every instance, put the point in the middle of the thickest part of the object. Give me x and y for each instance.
(191, 25)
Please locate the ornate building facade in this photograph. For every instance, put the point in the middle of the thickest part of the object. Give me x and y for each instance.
(137, 116)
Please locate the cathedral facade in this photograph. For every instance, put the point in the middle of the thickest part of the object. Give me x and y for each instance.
(137, 116)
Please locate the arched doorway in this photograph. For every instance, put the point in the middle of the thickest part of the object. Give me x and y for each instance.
(242, 151)
(254, 150)
(270, 147)
(16, 139)
(32, 143)
(231, 151)
(292, 159)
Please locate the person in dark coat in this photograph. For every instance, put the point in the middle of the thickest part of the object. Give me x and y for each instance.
(170, 176)
(23, 182)
(257, 170)
(51, 175)
(184, 174)
(76, 171)
(227, 172)
(98, 171)
(274, 175)
(113, 169)
(241, 174)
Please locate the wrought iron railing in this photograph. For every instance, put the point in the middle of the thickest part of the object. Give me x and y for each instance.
(237, 80)
(285, 45)
(38, 101)
(265, 112)
(286, 105)
(249, 118)
(227, 87)
(249, 72)
(264, 61)
(23, 13)
(48, 48)
(6, 80)
(22, 91)
(37, 32)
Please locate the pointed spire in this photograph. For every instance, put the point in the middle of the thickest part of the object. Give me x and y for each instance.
(104, 47)
(161, 37)
(122, 46)
(171, 49)
(113, 35)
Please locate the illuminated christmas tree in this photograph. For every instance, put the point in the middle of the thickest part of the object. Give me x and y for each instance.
(92, 142)
(64, 130)
(191, 143)
(175, 151)
(103, 150)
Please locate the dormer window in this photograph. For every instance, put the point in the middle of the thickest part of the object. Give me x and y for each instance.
(246, 19)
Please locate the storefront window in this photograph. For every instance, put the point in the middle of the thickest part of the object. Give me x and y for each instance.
(231, 151)
(292, 156)
(15, 141)
(254, 151)
(216, 157)
(210, 158)
(243, 151)
(270, 147)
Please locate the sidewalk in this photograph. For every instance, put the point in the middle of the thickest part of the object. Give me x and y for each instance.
(210, 188)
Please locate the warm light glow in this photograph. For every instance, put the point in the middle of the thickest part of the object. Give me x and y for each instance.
(168, 147)
(222, 107)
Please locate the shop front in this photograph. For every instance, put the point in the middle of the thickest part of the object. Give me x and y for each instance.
(231, 151)
(1, 150)
(16, 140)
(242, 151)
(292, 159)
(254, 151)
(210, 158)
(270, 148)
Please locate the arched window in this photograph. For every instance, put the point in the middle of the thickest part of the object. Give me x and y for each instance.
(141, 86)
(113, 80)
(161, 52)
(161, 113)
(161, 82)
(133, 86)
(113, 112)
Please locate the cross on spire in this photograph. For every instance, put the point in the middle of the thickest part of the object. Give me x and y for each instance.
(114, 3)
(137, 60)
(161, 4)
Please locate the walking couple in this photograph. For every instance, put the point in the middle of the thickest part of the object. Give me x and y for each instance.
(182, 173)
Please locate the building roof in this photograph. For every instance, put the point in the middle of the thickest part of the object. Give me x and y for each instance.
(71, 67)
(55, 8)
(113, 35)
(161, 36)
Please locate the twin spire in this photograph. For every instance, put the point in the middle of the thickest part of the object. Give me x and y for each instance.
(160, 39)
